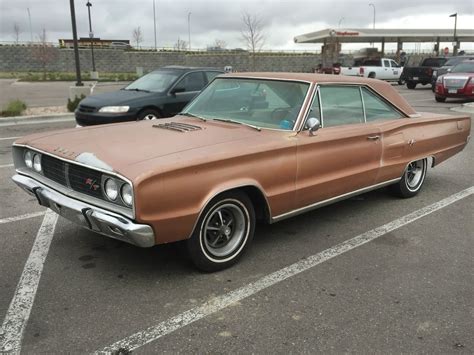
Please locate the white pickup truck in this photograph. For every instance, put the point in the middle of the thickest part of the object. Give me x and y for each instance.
(384, 69)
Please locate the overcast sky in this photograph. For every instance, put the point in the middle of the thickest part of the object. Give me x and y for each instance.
(214, 19)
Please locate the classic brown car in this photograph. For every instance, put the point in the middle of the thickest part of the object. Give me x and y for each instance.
(251, 146)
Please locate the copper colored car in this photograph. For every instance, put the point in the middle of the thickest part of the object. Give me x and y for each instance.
(251, 146)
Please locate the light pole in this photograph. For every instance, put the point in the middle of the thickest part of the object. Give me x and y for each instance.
(189, 30)
(29, 18)
(455, 43)
(154, 21)
(74, 37)
(373, 26)
(91, 34)
(340, 20)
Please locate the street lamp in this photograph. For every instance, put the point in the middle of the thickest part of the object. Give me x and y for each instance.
(340, 20)
(374, 14)
(455, 43)
(76, 50)
(91, 34)
(189, 30)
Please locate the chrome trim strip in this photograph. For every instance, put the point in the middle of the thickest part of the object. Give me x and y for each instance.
(85, 166)
(331, 200)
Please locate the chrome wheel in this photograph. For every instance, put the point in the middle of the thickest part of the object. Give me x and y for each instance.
(224, 229)
(150, 116)
(223, 232)
(414, 174)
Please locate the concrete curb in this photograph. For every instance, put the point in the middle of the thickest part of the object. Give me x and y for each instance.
(51, 116)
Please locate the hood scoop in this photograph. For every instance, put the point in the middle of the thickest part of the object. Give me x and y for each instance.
(179, 127)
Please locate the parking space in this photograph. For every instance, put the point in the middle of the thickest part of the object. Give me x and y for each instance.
(305, 286)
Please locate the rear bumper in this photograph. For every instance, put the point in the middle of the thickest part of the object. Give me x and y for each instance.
(91, 217)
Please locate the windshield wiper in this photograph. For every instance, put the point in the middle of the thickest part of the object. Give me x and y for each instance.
(187, 114)
(237, 122)
(136, 89)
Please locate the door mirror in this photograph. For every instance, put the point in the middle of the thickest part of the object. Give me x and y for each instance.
(313, 125)
(177, 89)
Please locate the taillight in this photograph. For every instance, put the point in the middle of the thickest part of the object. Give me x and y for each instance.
(361, 70)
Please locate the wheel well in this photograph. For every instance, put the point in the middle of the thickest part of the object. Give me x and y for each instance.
(371, 74)
(259, 202)
(154, 108)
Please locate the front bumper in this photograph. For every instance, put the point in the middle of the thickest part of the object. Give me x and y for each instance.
(96, 219)
(95, 118)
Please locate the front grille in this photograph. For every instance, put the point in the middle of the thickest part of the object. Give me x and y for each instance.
(78, 178)
(85, 180)
(85, 108)
(454, 83)
(54, 169)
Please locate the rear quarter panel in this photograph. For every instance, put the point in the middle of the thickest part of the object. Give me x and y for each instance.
(408, 139)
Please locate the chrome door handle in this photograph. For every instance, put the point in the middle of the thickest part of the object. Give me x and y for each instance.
(373, 138)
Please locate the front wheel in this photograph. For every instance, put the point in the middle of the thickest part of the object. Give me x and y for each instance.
(411, 85)
(412, 180)
(223, 233)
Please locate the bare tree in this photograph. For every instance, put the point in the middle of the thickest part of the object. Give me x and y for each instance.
(252, 32)
(43, 52)
(16, 32)
(180, 45)
(220, 44)
(137, 36)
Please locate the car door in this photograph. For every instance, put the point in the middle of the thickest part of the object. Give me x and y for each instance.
(396, 70)
(184, 91)
(343, 155)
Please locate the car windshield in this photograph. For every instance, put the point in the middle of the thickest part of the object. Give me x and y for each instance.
(156, 81)
(256, 102)
(464, 68)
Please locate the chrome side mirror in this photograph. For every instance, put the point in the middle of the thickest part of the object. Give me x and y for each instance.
(313, 125)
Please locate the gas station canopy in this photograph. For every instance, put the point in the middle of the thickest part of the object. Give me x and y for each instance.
(365, 35)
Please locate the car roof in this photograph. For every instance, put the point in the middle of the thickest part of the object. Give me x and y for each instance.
(186, 68)
(383, 88)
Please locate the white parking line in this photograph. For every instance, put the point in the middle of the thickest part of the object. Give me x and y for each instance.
(6, 166)
(8, 138)
(21, 217)
(218, 303)
(20, 307)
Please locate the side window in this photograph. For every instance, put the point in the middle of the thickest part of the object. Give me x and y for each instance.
(192, 82)
(211, 75)
(394, 64)
(341, 105)
(376, 108)
(386, 63)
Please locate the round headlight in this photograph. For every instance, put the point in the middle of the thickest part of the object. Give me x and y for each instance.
(111, 189)
(37, 163)
(29, 159)
(127, 195)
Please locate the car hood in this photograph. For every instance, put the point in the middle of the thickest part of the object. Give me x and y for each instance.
(120, 97)
(134, 148)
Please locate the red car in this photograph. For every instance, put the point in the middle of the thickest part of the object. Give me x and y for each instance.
(459, 83)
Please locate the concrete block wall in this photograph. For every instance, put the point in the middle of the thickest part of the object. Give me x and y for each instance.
(27, 59)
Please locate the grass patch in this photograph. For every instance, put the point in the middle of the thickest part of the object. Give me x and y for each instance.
(14, 108)
(72, 104)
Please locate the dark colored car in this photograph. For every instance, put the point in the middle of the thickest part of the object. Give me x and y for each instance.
(158, 94)
(423, 73)
(458, 83)
(446, 68)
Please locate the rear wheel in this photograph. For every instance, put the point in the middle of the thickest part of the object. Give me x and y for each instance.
(411, 85)
(440, 98)
(148, 114)
(223, 233)
(412, 180)
(371, 75)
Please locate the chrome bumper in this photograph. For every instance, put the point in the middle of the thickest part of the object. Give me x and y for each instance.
(96, 219)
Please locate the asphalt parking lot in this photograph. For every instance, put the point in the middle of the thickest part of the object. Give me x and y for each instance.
(372, 274)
